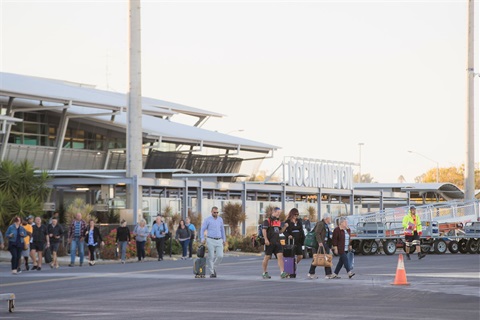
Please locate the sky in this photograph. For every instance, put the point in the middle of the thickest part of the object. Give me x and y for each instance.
(315, 78)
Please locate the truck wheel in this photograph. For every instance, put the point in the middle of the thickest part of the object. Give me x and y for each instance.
(365, 247)
(440, 246)
(462, 246)
(453, 246)
(472, 246)
(389, 247)
(374, 246)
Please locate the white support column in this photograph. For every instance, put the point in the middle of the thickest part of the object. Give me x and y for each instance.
(61, 137)
(134, 111)
(470, 141)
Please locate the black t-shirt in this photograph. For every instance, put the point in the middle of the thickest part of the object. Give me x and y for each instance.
(39, 233)
(56, 230)
(273, 230)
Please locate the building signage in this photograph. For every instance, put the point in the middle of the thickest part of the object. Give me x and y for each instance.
(319, 174)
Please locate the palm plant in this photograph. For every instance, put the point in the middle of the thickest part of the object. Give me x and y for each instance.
(22, 191)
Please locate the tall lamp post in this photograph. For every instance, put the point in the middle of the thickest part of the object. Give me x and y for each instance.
(436, 162)
(360, 144)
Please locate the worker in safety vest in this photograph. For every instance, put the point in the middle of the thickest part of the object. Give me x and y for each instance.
(412, 227)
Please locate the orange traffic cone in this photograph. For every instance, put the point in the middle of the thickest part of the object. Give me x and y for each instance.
(401, 276)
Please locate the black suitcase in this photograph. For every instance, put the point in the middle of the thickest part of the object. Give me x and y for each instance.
(199, 267)
(289, 248)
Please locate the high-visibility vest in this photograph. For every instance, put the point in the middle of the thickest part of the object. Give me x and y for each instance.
(412, 221)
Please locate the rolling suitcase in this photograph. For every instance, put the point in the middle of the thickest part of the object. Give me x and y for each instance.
(290, 266)
(199, 267)
(289, 248)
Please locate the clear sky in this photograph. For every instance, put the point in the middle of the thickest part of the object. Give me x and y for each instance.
(315, 78)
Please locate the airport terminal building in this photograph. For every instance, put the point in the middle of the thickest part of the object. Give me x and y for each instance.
(78, 134)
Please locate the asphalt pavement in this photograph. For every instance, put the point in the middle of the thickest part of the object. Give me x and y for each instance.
(440, 287)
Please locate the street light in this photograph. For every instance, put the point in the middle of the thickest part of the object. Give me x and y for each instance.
(360, 144)
(436, 162)
(238, 130)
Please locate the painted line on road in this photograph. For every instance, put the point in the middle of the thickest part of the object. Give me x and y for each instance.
(96, 275)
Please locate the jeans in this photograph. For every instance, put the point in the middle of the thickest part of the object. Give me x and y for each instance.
(160, 242)
(16, 255)
(190, 248)
(91, 249)
(328, 270)
(342, 261)
(77, 243)
(184, 244)
(140, 250)
(123, 249)
(215, 253)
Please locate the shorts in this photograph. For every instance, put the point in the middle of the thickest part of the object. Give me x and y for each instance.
(298, 250)
(273, 248)
(415, 236)
(54, 246)
(37, 246)
(26, 252)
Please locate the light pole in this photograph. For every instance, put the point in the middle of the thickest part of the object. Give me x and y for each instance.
(436, 162)
(360, 144)
(238, 130)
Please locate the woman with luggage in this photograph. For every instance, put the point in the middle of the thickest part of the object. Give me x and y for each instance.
(183, 236)
(294, 234)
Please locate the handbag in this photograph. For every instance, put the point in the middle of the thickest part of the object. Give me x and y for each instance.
(322, 259)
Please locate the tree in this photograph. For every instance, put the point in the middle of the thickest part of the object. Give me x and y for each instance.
(78, 205)
(312, 214)
(233, 215)
(22, 192)
(453, 175)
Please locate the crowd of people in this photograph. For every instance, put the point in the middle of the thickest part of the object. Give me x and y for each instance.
(30, 238)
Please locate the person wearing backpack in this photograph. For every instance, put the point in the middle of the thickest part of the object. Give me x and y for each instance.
(159, 231)
(323, 234)
(271, 233)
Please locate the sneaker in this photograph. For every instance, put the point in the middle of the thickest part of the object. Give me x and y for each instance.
(351, 274)
(14, 272)
(39, 268)
(311, 276)
(34, 268)
(328, 276)
(18, 272)
(408, 257)
(265, 275)
(284, 275)
(123, 261)
(334, 276)
(213, 275)
(51, 265)
(27, 267)
(71, 265)
(421, 255)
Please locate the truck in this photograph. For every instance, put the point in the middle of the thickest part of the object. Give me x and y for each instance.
(452, 226)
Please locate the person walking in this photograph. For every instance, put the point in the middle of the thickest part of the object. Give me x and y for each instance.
(271, 233)
(140, 234)
(55, 233)
(16, 234)
(159, 230)
(341, 245)
(193, 231)
(93, 239)
(294, 231)
(307, 224)
(76, 234)
(183, 236)
(213, 234)
(27, 224)
(412, 226)
(122, 239)
(323, 234)
(40, 241)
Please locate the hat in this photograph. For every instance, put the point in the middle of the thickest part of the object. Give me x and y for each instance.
(413, 208)
(29, 217)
